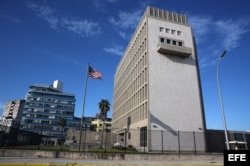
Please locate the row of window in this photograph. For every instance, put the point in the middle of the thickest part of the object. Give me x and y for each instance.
(130, 93)
(49, 100)
(41, 128)
(31, 93)
(136, 47)
(135, 105)
(171, 41)
(137, 60)
(170, 31)
(54, 106)
(132, 84)
(48, 111)
(138, 114)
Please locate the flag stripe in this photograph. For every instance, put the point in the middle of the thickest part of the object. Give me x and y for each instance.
(94, 74)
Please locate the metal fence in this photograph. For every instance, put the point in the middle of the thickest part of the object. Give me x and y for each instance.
(134, 139)
(145, 141)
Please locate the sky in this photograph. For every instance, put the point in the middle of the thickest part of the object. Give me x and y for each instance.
(46, 40)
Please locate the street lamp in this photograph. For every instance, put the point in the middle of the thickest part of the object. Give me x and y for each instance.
(221, 103)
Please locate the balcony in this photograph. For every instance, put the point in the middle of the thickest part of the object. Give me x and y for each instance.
(174, 49)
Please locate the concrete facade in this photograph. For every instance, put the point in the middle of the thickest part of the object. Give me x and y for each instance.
(157, 84)
(13, 109)
(12, 114)
(98, 123)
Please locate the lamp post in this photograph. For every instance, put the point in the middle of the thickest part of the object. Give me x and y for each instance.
(221, 103)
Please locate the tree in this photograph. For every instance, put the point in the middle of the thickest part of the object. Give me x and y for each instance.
(63, 123)
(104, 107)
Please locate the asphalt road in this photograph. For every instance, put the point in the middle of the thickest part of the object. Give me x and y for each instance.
(9, 161)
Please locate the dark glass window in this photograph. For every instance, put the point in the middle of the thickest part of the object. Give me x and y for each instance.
(247, 136)
(162, 40)
(174, 42)
(143, 136)
(238, 136)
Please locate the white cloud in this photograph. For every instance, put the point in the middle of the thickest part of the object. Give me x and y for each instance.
(213, 36)
(80, 27)
(45, 13)
(200, 26)
(117, 50)
(100, 4)
(124, 35)
(231, 31)
(228, 32)
(125, 23)
(126, 19)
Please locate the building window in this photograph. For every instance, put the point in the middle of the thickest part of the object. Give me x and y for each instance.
(129, 135)
(247, 136)
(162, 40)
(173, 31)
(167, 30)
(238, 136)
(143, 136)
(179, 33)
(161, 29)
(174, 42)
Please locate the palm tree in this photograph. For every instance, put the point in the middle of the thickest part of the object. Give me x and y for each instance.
(104, 107)
(63, 123)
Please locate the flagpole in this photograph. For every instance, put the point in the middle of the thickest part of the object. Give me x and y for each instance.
(84, 98)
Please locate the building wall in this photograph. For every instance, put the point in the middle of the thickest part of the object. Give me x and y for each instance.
(99, 125)
(13, 109)
(174, 94)
(130, 89)
(157, 84)
(12, 115)
(173, 84)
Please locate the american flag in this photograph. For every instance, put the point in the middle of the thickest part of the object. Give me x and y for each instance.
(94, 74)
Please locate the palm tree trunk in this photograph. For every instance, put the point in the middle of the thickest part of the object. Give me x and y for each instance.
(102, 132)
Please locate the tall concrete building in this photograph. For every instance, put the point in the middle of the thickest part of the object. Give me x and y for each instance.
(13, 109)
(157, 84)
(12, 114)
(45, 106)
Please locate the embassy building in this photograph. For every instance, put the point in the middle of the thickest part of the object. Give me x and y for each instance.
(157, 91)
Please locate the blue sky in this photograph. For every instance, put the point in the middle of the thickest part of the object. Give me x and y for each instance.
(46, 40)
